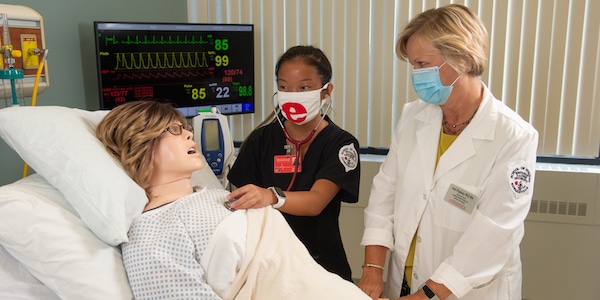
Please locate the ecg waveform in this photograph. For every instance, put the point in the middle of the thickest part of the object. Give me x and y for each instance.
(161, 60)
(154, 40)
(163, 75)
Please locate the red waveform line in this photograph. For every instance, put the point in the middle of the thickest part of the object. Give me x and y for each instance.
(162, 75)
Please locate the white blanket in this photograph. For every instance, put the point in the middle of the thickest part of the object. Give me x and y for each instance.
(278, 266)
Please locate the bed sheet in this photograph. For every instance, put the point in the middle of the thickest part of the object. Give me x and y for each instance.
(17, 283)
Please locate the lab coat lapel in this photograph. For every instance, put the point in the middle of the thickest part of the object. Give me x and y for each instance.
(428, 133)
(461, 150)
(465, 146)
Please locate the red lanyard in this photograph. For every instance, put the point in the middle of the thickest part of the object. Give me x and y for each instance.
(297, 144)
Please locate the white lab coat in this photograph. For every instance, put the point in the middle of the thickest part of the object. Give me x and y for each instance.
(476, 254)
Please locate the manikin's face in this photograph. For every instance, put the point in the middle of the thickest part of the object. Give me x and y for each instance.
(176, 156)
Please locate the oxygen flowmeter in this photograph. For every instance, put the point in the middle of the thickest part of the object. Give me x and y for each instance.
(22, 69)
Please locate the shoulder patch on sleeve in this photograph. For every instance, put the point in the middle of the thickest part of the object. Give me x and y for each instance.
(520, 179)
(348, 157)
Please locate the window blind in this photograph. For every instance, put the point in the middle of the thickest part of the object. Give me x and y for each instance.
(544, 61)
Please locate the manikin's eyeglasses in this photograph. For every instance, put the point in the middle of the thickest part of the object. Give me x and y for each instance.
(177, 129)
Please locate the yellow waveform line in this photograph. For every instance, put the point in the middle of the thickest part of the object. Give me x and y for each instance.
(161, 60)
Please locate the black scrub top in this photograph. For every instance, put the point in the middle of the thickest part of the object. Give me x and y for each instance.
(332, 155)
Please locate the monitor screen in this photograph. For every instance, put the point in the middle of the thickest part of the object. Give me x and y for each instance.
(195, 66)
(211, 134)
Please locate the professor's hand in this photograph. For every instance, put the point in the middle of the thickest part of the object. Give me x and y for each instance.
(371, 283)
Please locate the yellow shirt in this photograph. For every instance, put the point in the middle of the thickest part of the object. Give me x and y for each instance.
(446, 141)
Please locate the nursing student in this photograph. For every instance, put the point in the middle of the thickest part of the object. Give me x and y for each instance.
(452, 195)
(299, 161)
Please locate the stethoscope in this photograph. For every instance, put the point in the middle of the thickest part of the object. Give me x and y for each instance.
(297, 143)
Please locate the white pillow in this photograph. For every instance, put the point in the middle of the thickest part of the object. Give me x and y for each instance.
(42, 231)
(60, 144)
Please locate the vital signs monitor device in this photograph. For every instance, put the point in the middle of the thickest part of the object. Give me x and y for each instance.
(212, 134)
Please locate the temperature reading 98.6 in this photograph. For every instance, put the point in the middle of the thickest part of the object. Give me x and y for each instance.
(245, 91)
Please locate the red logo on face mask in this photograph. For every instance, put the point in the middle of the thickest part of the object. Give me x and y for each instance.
(294, 112)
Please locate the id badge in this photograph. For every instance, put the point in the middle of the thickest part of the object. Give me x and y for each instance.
(461, 198)
(285, 164)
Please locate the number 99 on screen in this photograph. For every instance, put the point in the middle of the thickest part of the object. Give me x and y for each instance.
(221, 60)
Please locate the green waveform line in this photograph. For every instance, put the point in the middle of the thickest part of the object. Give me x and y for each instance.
(154, 40)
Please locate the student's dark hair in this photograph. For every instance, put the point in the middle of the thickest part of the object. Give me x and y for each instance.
(309, 55)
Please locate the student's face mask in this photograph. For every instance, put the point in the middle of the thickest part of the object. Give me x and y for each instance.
(429, 87)
(300, 107)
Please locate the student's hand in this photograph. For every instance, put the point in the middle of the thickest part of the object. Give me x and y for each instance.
(251, 196)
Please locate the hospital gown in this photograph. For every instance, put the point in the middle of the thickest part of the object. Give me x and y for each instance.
(167, 243)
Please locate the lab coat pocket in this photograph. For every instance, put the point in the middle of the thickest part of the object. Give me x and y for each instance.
(457, 206)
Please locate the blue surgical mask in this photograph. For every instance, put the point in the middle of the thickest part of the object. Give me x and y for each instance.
(429, 87)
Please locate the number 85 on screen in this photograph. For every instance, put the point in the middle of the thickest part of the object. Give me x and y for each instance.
(198, 93)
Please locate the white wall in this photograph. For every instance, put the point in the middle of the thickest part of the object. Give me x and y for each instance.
(351, 216)
(561, 248)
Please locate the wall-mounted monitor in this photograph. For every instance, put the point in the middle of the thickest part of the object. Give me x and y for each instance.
(196, 66)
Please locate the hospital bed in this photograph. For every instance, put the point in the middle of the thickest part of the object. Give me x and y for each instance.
(60, 228)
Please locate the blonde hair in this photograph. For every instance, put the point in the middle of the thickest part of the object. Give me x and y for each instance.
(456, 31)
(130, 133)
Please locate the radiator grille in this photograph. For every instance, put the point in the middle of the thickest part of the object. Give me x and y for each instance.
(577, 209)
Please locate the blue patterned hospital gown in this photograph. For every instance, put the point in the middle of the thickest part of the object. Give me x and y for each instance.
(162, 257)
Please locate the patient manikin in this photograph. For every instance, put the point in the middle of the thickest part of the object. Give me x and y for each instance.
(186, 243)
